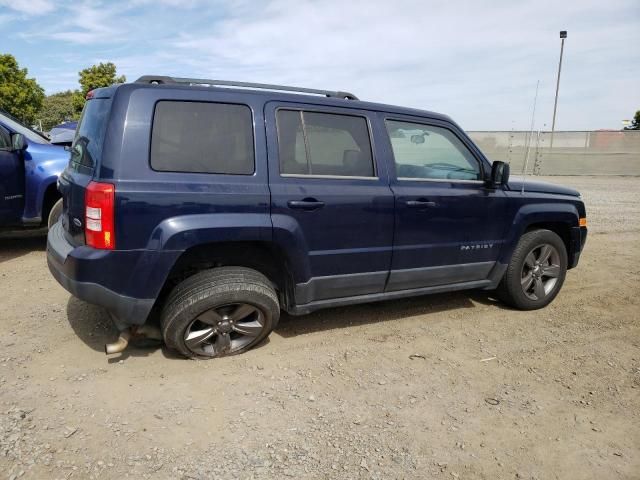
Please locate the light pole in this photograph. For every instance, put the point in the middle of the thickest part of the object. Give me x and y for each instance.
(563, 35)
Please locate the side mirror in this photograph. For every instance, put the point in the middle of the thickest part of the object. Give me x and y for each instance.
(18, 143)
(499, 174)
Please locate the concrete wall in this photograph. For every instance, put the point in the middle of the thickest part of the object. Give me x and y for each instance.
(573, 153)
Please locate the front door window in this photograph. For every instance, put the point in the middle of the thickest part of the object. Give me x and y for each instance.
(427, 152)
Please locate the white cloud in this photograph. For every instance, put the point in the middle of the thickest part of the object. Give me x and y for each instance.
(477, 63)
(88, 22)
(169, 3)
(30, 7)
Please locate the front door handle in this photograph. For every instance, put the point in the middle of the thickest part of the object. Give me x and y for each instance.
(305, 204)
(420, 203)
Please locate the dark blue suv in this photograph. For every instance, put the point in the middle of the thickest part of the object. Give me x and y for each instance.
(213, 205)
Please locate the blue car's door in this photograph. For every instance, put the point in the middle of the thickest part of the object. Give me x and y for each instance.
(11, 182)
(449, 224)
(331, 203)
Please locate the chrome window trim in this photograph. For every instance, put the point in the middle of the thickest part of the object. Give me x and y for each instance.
(331, 177)
(440, 180)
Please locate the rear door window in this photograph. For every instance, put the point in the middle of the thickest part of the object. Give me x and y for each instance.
(324, 144)
(202, 137)
(86, 149)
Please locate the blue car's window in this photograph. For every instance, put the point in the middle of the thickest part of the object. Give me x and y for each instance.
(202, 137)
(15, 125)
(87, 144)
(5, 139)
(430, 152)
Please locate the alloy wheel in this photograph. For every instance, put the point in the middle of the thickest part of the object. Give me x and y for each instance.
(540, 271)
(224, 329)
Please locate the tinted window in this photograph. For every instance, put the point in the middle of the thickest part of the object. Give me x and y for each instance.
(202, 137)
(428, 152)
(87, 144)
(291, 143)
(5, 139)
(312, 143)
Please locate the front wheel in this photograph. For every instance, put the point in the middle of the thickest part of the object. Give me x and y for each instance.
(219, 312)
(536, 271)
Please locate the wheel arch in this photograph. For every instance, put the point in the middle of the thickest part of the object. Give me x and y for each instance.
(562, 229)
(248, 239)
(262, 256)
(560, 218)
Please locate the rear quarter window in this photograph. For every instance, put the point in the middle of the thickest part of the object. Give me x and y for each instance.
(87, 144)
(202, 137)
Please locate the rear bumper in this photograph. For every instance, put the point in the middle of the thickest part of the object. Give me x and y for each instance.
(578, 240)
(111, 279)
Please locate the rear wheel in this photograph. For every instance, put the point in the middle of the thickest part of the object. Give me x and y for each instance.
(54, 213)
(219, 312)
(536, 271)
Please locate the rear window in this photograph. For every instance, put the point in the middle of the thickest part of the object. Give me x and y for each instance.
(202, 137)
(87, 145)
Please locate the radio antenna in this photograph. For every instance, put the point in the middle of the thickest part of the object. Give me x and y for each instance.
(528, 143)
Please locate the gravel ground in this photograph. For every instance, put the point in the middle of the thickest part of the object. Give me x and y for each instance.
(445, 386)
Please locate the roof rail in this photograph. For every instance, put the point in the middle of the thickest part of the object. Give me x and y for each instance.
(163, 80)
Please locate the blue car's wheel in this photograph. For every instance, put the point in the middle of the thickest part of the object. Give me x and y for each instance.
(55, 213)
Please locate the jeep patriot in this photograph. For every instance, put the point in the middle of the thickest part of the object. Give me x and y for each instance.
(211, 206)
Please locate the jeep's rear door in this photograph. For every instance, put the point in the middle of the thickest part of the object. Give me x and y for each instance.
(331, 205)
(86, 152)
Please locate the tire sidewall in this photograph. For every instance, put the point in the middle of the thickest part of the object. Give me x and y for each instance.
(529, 242)
(176, 321)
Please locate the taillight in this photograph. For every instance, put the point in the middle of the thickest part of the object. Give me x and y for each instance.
(99, 201)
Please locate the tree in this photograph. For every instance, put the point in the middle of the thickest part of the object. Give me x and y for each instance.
(19, 96)
(635, 125)
(56, 109)
(96, 76)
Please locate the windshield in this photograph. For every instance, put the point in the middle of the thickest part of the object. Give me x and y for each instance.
(18, 127)
(87, 144)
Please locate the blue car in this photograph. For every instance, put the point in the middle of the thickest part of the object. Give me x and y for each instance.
(29, 169)
(63, 133)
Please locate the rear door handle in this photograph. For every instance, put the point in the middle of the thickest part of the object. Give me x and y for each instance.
(305, 204)
(420, 204)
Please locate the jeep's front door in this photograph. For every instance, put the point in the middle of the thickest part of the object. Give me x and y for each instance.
(11, 181)
(331, 205)
(449, 225)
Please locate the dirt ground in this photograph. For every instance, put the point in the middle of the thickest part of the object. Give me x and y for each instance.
(445, 386)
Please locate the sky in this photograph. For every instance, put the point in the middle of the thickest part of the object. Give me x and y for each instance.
(478, 62)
